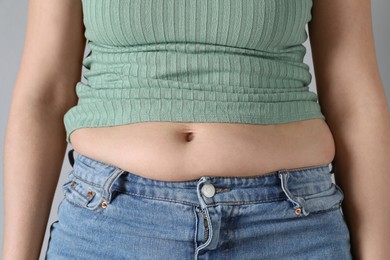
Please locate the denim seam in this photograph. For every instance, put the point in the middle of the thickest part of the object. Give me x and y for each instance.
(307, 168)
(74, 203)
(192, 204)
(156, 198)
(100, 187)
(323, 211)
(196, 228)
(50, 236)
(88, 182)
(273, 173)
(95, 209)
(73, 189)
(276, 173)
(88, 160)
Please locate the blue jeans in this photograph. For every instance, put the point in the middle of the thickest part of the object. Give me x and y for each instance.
(109, 213)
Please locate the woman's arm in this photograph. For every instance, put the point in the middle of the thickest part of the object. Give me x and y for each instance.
(35, 141)
(354, 103)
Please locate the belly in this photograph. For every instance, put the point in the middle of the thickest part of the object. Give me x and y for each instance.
(176, 151)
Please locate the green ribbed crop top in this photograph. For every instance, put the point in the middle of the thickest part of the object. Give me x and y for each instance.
(236, 61)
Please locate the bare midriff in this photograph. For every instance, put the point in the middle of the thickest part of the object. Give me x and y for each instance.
(177, 151)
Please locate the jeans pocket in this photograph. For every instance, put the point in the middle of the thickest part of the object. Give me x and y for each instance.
(322, 198)
(81, 193)
(326, 200)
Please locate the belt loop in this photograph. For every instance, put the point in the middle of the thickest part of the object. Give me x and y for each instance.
(297, 201)
(71, 157)
(202, 203)
(107, 186)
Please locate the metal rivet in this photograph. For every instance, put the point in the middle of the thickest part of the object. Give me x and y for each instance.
(73, 183)
(90, 193)
(104, 204)
(298, 211)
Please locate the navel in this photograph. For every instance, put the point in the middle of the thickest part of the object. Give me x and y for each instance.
(189, 136)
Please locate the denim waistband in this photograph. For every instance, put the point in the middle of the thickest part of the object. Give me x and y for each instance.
(268, 187)
(308, 190)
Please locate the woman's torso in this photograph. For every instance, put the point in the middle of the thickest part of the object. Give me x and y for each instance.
(247, 71)
(166, 150)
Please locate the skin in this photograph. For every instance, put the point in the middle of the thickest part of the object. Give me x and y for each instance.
(42, 94)
(349, 90)
(352, 96)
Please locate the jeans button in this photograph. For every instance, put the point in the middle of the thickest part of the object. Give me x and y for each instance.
(208, 190)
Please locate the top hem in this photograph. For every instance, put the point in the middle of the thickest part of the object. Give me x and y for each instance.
(71, 126)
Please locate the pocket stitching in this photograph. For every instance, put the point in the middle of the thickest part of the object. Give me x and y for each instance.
(69, 189)
(336, 207)
(324, 210)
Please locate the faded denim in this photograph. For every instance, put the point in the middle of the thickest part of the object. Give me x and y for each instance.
(108, 213)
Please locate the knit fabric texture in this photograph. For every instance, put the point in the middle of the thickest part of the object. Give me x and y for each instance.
(232, 61)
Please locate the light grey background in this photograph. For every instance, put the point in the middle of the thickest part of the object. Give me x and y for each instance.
(13, 15)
